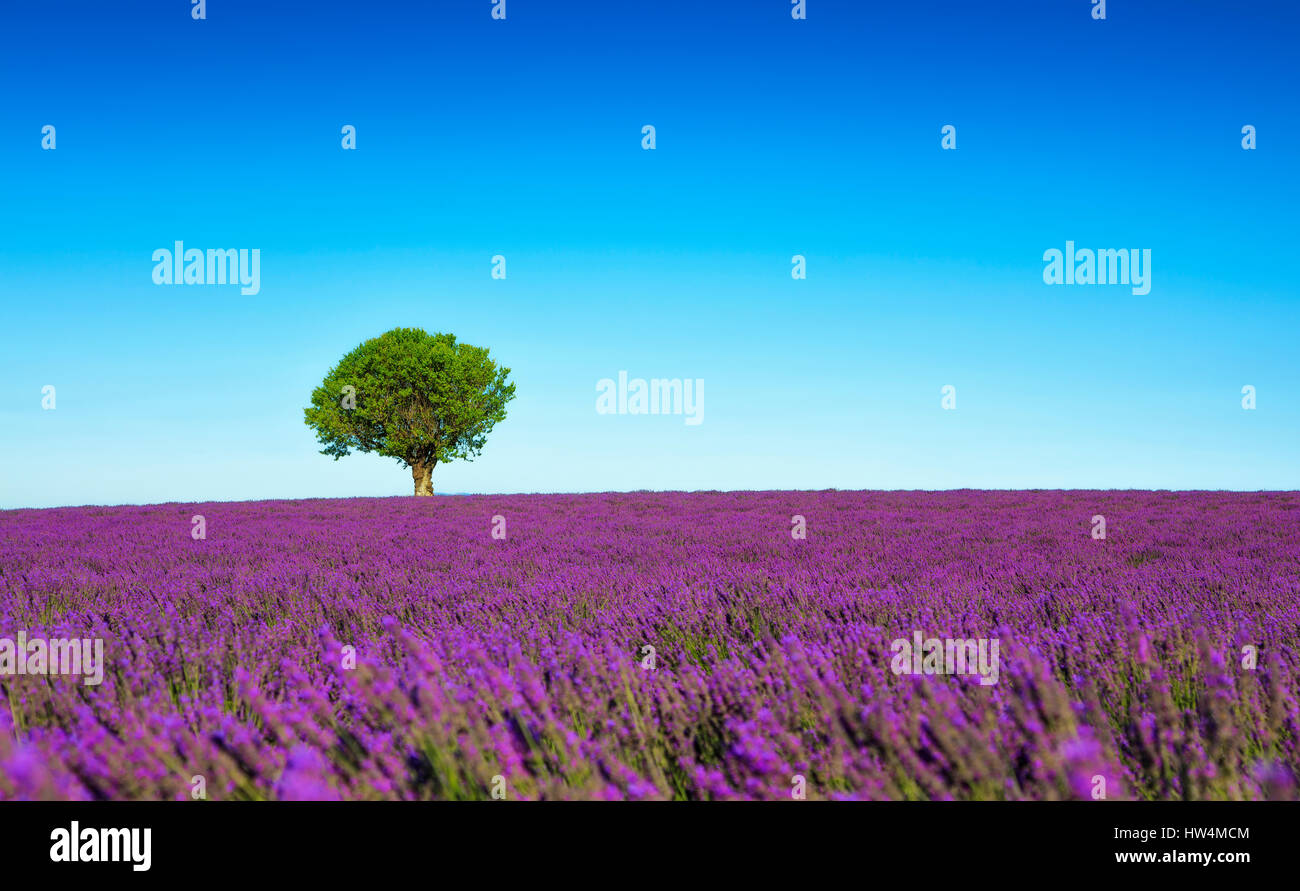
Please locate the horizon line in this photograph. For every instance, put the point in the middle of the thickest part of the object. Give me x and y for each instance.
(1036, 489)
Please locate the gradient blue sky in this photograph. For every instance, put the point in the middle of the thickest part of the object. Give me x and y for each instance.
(775, 137)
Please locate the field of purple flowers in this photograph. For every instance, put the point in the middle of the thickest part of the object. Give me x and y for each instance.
(523, 658)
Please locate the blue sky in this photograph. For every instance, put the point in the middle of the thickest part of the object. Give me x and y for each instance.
(775, 137)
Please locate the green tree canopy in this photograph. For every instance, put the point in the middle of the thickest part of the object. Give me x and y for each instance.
(418, 397)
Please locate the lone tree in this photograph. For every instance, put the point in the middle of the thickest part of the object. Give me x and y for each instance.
(418, 397)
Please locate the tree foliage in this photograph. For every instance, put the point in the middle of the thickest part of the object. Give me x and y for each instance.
(417, 397)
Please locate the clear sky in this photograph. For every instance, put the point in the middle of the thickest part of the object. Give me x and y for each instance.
(775, 137)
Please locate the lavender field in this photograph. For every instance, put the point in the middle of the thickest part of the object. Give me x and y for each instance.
(520, 664)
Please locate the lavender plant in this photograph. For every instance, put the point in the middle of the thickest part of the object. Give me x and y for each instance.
(655, 646)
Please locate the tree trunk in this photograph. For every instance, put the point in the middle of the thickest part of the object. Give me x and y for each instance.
(423, 476)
